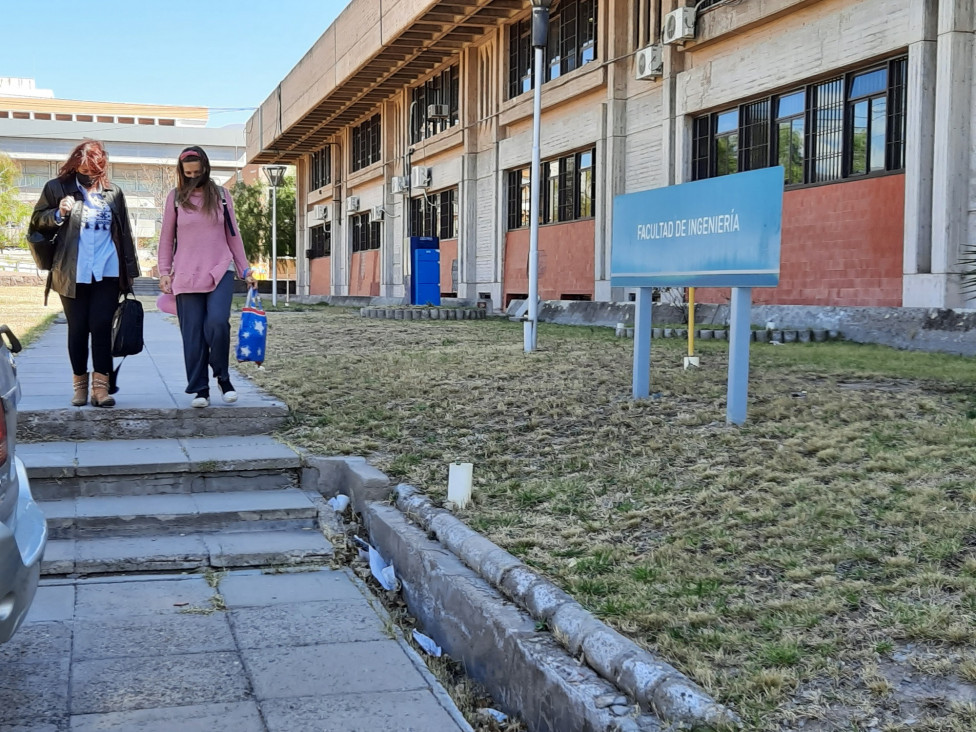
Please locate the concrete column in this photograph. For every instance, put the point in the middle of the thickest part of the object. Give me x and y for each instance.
(920, 288)
(611, 149)
(301, 227)
(952, 143)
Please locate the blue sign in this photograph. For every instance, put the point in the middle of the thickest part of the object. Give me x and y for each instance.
(720, 232)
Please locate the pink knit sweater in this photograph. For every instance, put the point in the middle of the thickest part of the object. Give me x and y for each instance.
(204, 246)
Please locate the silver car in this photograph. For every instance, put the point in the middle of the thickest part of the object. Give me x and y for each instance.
(23, 529)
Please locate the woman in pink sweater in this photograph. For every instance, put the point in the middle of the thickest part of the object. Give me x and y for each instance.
(200, 250)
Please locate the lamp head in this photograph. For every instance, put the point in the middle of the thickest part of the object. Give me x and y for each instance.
(275, 175)
(542, 4)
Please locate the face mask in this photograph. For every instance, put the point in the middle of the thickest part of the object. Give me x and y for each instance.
(198, 181)
(85, 180)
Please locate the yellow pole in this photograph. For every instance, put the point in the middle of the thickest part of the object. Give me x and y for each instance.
(691, 321)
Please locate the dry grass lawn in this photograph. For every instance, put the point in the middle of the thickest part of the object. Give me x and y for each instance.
(22, 309)
(815, 568)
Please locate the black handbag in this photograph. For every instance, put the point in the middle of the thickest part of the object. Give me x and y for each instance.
(42, 248)
(127, 327)
(126, 335)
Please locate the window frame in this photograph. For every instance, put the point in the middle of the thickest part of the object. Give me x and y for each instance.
(365, 235)
(827, 129)
(320, 240)
(366, 143)
(572, 43)
(320, 168)
(441, 88)
(435, 214)
(560, 191)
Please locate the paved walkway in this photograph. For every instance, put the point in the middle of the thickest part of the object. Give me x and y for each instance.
(247, 650)
(153, 379)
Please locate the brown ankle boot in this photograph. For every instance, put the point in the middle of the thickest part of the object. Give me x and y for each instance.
(80, 397)
(100, 396)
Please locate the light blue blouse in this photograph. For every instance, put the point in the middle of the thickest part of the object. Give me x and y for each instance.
(97, 257)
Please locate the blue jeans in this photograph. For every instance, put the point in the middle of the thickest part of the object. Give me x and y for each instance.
(205, 327)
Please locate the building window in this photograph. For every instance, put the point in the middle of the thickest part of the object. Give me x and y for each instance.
(789, 125)
(849, 126)
(320, 238)
(435, 215)
(566, 193)
(442, 88)
(867, 112)
(572, 43)
(320, 168)
(366, 234)
(366, 143)
(519, 198)
(727, 143)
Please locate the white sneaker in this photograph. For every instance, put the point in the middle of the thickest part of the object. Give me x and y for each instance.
(227, 389)
(200, 402)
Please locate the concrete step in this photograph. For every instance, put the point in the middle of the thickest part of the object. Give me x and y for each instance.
(65, 470)
(145, 286)
(50, 417)
(173, 553)
(139, 516)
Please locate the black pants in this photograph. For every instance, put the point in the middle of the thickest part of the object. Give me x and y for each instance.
(89, 315)
(205, 327)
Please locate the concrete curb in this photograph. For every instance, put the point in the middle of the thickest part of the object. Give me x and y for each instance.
(656, 685)
(499, 645)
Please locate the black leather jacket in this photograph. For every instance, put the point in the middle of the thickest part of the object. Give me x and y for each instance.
(64, 271)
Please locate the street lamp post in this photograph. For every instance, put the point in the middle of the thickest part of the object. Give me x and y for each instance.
(540, 38)
(276, 175)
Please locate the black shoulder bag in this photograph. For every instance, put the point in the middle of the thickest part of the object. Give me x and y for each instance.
(43, 245)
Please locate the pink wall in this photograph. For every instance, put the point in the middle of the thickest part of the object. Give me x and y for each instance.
(320, 276)
(842, 245)
(364, 273)
(565, 260)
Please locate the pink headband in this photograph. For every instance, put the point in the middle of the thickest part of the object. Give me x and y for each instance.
(189, 154)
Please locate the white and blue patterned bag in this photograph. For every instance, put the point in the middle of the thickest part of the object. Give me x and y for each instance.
(253, 333)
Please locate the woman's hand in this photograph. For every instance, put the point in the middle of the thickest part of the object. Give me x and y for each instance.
(251, 282)
(64, 207)
(166, 284)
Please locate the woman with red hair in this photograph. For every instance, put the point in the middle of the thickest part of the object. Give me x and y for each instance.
(94, 261)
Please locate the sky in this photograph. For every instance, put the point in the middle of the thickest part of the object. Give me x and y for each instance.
(199, 53)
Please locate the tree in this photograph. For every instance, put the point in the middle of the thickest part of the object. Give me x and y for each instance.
(286, 217)
(252, 218)
(14, 213)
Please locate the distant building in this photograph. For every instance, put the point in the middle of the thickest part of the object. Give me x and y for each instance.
(143, 141)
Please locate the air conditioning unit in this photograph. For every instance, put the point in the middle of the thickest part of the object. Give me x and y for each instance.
(649, 62)
(376, 213)
(438, 111)
(419, 177)
(679, 26)
(398, 184)
(352, 204)
(320, 212)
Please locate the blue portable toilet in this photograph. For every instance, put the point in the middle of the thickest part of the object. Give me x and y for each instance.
(425, 265)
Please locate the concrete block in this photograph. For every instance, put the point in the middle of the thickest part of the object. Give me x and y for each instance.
(241, 716)
(123, 684)
(405, 711)
(341, 668)
(149, 635)
(572, 624)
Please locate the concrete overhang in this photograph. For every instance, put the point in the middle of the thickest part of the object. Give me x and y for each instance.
(371, 52)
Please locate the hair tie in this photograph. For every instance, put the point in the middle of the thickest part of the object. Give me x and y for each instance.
(189, 154)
